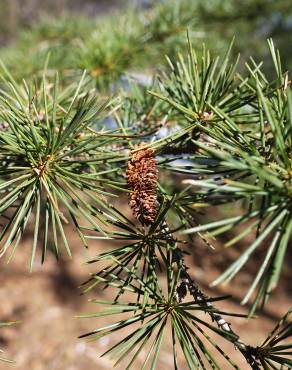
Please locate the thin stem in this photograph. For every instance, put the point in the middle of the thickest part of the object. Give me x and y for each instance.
(188, 284)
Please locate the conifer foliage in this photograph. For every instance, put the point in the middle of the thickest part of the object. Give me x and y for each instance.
(204, 136)
(233, 136)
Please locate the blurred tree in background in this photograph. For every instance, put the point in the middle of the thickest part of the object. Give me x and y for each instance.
(215, 22)
(105, 46)
(18, 14)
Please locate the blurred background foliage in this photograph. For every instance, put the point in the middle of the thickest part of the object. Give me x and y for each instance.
(78, 37)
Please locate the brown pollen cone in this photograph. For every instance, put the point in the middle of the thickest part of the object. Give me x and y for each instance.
(142, 181)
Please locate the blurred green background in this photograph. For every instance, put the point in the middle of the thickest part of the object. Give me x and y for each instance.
(18, 14)
(137, 34)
